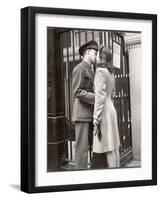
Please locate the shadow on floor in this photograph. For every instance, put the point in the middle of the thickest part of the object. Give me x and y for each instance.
(15, 186)
(133, 163)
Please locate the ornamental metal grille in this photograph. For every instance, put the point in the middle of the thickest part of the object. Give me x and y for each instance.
(68, 42)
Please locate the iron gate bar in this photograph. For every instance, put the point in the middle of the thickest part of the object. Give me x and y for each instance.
(92, 35)
(79, 42)
(126, 100)
(100, 37)
(61, 52)
(121, 100)
(104, 37)
(69, 95)
(108, 39)
(85, 36)
(73, 47)
(129, 96)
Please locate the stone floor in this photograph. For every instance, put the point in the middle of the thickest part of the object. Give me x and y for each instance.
(130, 164)
(133, 163)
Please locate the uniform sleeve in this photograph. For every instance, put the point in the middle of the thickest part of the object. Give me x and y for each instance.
(100, 94)
(78, 88)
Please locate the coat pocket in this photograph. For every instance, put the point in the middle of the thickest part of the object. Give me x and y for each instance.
(85, 110)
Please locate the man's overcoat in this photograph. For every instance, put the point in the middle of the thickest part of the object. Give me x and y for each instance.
(83, 96)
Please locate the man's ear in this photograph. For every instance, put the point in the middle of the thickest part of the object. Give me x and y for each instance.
(87, 51)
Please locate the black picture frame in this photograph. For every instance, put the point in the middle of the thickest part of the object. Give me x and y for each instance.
(28, 98)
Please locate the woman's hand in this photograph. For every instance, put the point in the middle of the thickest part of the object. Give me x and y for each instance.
(113, 94)
(97, 129)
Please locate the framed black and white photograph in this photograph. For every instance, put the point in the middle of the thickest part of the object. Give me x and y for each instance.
(88, 99)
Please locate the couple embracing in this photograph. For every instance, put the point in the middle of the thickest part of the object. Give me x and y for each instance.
(92, 104)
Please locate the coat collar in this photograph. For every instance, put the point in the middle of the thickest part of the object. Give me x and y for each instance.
(88, 68)
(109, 66)
(86, 64)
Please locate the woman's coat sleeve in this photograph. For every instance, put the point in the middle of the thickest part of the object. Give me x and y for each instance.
(100, 93)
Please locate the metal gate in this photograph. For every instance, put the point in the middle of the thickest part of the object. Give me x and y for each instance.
(70, 43)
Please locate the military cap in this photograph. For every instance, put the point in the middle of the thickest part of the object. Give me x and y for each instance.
(89, 45)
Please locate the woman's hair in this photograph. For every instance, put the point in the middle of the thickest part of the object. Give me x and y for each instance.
(105, 54)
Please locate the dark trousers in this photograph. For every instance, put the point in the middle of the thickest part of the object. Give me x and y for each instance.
(83, 133)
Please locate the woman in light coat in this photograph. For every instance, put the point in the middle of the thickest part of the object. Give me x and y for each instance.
(106, 135)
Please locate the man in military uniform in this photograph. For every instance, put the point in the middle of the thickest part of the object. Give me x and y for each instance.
(83, 100)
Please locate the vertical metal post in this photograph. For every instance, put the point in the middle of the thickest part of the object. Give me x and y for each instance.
(100, 37)
(104, 38)
(108, 39)
(92, 35)
(79, 42)
(63, 83)
(69, 97)
(85, 36)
